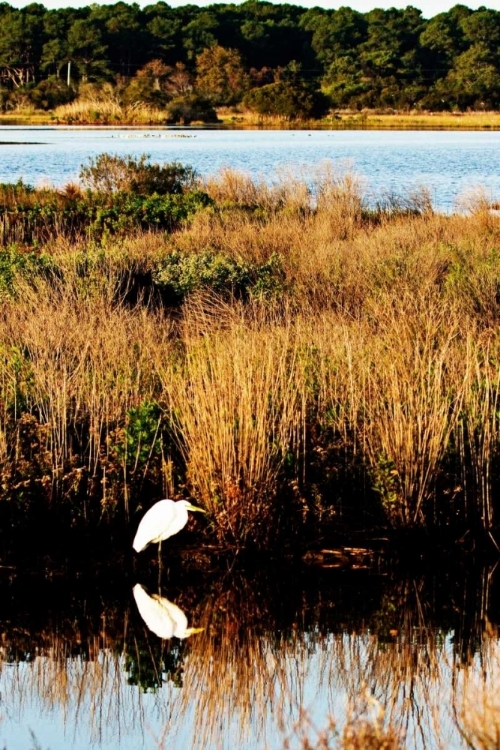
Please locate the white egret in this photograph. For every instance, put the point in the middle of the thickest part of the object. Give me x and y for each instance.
(164, 519)
(164, 618)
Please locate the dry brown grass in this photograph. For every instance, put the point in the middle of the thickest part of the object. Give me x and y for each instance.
(406, 292)
(79, 360)
(386, 334)
(413, 398)
(479, 436)
(99, 111)
(238, 384)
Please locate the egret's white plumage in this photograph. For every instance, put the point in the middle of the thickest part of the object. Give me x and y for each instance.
(164, 618)
(164, 519)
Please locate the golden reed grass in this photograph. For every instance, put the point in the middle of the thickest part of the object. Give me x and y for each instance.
(78, 361)
(102, 111)
(239, 384)
(386, 334)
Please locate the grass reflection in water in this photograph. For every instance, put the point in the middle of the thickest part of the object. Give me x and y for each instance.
(280, 655)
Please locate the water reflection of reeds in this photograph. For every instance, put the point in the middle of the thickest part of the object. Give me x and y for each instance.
(274, 647)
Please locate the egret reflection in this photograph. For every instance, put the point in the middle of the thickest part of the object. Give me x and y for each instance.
(164, 618)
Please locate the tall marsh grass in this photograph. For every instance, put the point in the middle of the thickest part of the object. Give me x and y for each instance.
(239, 386)
(413, 398)
(99, 111)
(359, 360)
(75, 363)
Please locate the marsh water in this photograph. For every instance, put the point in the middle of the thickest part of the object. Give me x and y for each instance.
(448, 164)
(84, 663)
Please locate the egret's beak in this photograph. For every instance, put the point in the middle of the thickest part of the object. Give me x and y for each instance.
(192, 631)
(195, 508)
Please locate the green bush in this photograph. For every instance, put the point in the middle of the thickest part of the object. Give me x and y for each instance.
(141, 438)
(12, 192)
(286, 99)
(108, 173)
(186, 109)
(127, 212)
(51, 93)
(15, 264)
(181, 274)
(129, 194)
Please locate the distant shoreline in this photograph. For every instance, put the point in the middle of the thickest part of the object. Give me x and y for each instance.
(240, 121)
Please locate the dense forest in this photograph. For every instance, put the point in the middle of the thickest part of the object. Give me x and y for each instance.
(276, 59)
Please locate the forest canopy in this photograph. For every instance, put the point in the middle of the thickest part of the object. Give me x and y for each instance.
(276, 59)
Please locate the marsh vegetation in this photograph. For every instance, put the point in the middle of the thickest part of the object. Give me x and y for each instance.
(298, 361)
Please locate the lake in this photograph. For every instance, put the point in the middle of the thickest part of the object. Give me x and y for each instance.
(395, 162)
(80, 667)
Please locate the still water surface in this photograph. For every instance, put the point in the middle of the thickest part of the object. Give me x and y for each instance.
(80, 668)
(447, 163)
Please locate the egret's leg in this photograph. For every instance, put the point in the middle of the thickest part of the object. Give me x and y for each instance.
(159, 567)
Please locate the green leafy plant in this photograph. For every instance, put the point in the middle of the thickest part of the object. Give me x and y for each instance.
(15, 264)
(141, 436)
(108, 173)
(187, 108)
(386, 483)
(181, 274)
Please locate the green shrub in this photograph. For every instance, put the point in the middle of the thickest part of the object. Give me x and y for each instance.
(141, 437)
(108, 173)
(13, 192)
(289, 100)
(185, 109)
(181, 274)
(15, 264)
(31, 218)
(126, 212)
(50, 93)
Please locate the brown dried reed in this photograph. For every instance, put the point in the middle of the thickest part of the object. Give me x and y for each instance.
(78, 360)
(387, 334)
(236, 398)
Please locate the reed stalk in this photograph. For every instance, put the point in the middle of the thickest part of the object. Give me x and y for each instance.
(84, 363)
(479, 438)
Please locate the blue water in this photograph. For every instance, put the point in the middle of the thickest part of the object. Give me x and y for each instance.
(448, 164)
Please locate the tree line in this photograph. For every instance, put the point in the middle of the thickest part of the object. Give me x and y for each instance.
(277, 59)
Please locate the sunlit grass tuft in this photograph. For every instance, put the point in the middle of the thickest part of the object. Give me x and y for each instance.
(238, 385)
(104, 112)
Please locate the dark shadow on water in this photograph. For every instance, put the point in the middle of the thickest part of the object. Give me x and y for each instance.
(385, 627)
(312, 600)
